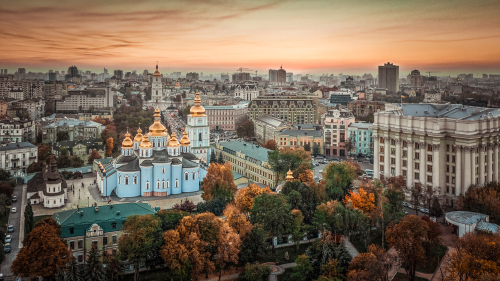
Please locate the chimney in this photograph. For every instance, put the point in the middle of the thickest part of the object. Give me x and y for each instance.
(96, 209)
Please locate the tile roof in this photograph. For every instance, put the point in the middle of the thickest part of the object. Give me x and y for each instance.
(250, 150)
(17, 145)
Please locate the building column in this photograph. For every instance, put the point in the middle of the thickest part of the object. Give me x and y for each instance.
(423, 163)
(387, 157)
(495, 163)
(489, 154)
(473, 154)
(467, 169)
(435, 166)
(458, 170)
(410, 162)
(376, 158)
(398, 157)
(481, 164)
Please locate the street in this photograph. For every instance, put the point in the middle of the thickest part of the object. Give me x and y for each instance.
(14, 219)
(317, 170)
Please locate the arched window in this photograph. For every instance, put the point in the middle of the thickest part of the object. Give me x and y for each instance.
(163, 170)
(126, 180)
(168, 183)
(135, 179)
(147, 185)
(193, 175)
(176, 183)
(163, 185)
(200, 137)
(119, 179)
(186, 176)
(156, 90)
(158, 184)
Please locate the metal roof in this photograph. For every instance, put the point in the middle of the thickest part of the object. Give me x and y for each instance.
(454, 111)
(69, 123)
(251, 150)
(361, 125)
(305, 133)
(17, 145)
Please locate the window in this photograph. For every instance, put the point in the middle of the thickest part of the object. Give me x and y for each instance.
(447, 147)
(72, 231)
(393, 171)
(417, 176)
(429, 168)
(105, 240)
(452, 159)
(429, 147)
(135, 179)
(381, 158)
(429, 178)
(158, 184)
(405, 153)
(404, 143)
(404, 163)
(393, 161)
(80, 244)
(168, 183)
(417, 155)
(393, 142)
(113, 225)
(200, 137)
(404, 173)
(163, 184)
(453, 169)
(80, 258)
(453, 190)
(453, 148)
(381, 168)
(163, 170)
(113, 239)
(381, 140)
(72, 245)
(186, 176)
(393, 151)
(417, 166)
(447, 168)
(447, 158)
(126, 180)
(447, 180)
(176, 183)
(417, 145)
(119, 179)
(381, 149)
(193, 175)
(147, 185)
(429, 158)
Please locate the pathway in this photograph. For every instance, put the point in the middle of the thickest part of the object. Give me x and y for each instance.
(350, 248)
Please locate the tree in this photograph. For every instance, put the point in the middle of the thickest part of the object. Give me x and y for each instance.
(76, 161)
(305, 200)
(169, 219)
(28, 218)
(253, 245)
(255, 272)
(5, 176)
(302, 270)
(221, 159)
(316, 149)
(296, 227)
(435, 209)
(35, 167)
(94, 155)
(332, 271)
(431, 239)
(283, 160)
(407, 238)
(218, 182)
(213, 158)
(186, 206)
(6, 189)
(228, 243)
(64, 161)
(245, 129)
(244, 197)
(307, 147)
(339, 179)
(215, 206)
(94, 270)
(304, 174)
(42, 255)
(362, 201)
(273, 212)
(62, 136)
(236, 220)
(270, 144)
(375, 263)
(174, 254)
(72, 270)
(50, 222)
(484, 200)
(139, 240)
(111, 264)
(109, 146)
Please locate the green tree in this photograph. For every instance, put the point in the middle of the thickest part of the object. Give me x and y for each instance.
(308, 202)
(213, 158)
(273, 213)
(94, 270)
(76, 161)
(302, 271)
(5, 176)
(62, 136)
(72, 270)
(140, 241)
(253, 245)
(112, 269)
(28, 218)
(255, 272)
(316, 149)
(436, 210)
(221, 159)
(169, 219)
(339, 177)
(296, 228)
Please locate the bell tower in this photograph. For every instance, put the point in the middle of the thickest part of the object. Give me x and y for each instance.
(198, 130)
(157, 86)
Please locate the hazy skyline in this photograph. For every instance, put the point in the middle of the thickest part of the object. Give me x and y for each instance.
(213, 36)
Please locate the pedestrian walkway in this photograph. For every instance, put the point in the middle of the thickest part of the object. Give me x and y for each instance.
(350, 248)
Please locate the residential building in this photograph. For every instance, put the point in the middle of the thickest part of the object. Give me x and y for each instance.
(16, 130)
(281, 76)
(388, 77)
(273, 76)
(361, 108)
(77, 130)
(249, 160)
(85, 100)
(241, 76)
(34, 107)
(98, 226)
(416, 80)
(225, 117)
(192, 76)
(247, 92)
(299, 138)
(16, 157)
(448, 147)
(336, 125)
(55, 90)
(82, 148)
(361, 138)
(266, 127)
(118, 74)
(48, 187)
(301, 109)
(3, 107)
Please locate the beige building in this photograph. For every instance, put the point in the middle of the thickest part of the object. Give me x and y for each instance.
(77, 130)
(16, 157)
(17, 130)
(266, 127)
(77, 101)
(446, 146)
(388, 77)
(247, 92)
(299, 138)
(295, 108)
(225, 117)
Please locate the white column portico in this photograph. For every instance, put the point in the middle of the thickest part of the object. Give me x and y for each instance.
(496, 164)
(467, 169)
(423, 161)
(398, 157)
(473, 153)
(458, 170)
(387, 157)
(489, 163)
(411, 162)
(435, 165)
(481, 164)
(376, 156)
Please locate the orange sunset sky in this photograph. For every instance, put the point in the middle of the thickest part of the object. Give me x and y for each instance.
(444, 36)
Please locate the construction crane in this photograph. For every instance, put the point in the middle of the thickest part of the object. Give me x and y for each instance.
(243, 68)
(429, 73)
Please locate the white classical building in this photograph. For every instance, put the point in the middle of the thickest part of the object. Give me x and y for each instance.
(247, 92)
(446, 146)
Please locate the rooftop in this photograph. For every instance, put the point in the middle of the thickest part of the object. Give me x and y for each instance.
(251, 150)
(314, 133)
(465, 217)
(72, 123)
(273, 121)
(17, 145)
(454, 111)
(361, 125)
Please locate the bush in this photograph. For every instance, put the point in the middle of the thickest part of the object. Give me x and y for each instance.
(215, 206)
(186, 206)
(67, 175)
(77, 174)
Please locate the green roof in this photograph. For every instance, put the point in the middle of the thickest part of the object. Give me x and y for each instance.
(236, 175)
(105, 217)
(249, 149)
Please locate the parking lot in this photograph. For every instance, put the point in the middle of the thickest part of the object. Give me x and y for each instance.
(364, 164)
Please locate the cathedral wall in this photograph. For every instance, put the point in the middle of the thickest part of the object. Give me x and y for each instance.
(108, 184)
(130, 189)
(176, 175)
(161, 176)
(190, 185)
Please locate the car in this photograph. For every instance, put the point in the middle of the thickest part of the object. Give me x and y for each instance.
(10, 228)
(405, 204)
(406, 212)
(14, 209)
(6, 248)
(359, 161)
(410, 206)
(14, 199)
(8, 238)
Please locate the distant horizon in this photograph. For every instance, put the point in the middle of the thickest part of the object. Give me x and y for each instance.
(220, 36)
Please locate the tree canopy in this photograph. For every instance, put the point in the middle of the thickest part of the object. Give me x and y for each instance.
(219, 182)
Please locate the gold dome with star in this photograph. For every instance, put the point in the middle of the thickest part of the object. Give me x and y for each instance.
(197, 109)
(127, 142)
(185, 140)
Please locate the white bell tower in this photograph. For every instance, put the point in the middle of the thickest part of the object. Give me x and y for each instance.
(157, 86)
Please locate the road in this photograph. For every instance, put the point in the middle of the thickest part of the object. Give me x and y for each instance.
(14, 219)
(317, 170)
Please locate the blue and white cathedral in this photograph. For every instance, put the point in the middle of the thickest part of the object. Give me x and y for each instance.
(156, 164)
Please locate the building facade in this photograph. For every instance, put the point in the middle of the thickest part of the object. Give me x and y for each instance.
(361, 138)
(198, 130)
(48, 187)
(249, 160)
(77, 130)
(157, 86)
(85, 100)
(225, 117)
(444, 146)
(292, 108)
(82, 148)
(364, 107)
(299, 138)
(388, 77)
(99, 225)
(336, 125)
(16, 130)
(247, 92)
(16, 157)
(266, 127)
(416, 80)
(281, 76)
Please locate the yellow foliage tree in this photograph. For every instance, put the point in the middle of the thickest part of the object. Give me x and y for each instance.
(245, 196)
(219, 182)
(174, 253)
(228, 247)
(109, 147)
(236, 220)
(362, 201)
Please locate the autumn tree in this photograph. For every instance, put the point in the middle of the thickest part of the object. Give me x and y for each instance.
(376, 264)
(141, 238)
(287, 158)
(219, 182)
(338, 178)
(270, 144)
(484, 200)
(255, 272)
(254, 245)
(43, 254)
(228, 244)
(109, 146)
(50, 222)
(302, 270)
(407, 238)
(361, 200)
(332, 271)
(43, 151)
(245, 129)
(94, 155)
(301, 197)
(304, 173)
(236, 220)
(431, 239)
(174, 253)
(244, 197)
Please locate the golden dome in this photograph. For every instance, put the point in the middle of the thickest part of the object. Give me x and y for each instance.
(173, 141)
(185, 140)
(157, 129)
(127, 142)
(145, 142)
(289, 175)
(138, 137)
(156, 73)
(197, 109)
(177, 83)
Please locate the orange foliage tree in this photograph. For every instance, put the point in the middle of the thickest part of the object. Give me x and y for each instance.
(300, 153)
(109, 146)
(228, 248)
(245, 196)
(43, 254)
(362, 201)
(375, 264)
(270, 144)
(94, 155)
(219, 182)
(102, 121)
(304, 174)
(174, 253)
(237, 220)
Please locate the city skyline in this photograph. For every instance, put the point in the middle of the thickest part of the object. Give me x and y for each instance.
(217, 36)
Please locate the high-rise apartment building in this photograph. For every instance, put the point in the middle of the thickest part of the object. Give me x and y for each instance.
(294, 108)
(192, 76)
(77, 101)
(118, 74)
(241, 76)
(273, 76)
(281, 76)
(336, 128)
(448, 147)
(73, 71)
(417, 80)
(388, 77)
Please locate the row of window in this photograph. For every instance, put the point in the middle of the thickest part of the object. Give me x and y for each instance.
(80, 242)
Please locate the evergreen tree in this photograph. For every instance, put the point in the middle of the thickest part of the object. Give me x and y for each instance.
(343, 256)
(213, 158)
(28, 218)
(93, 269)
(73, 271)
(60, 275)
(221, 160)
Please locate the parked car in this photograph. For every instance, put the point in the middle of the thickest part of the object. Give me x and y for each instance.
(13, 209)
(406, 212)
(8, 238)
(14, 199)
(405, 204)
(10, 228)
(359, 161)
(410, 206)
(6, 248)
